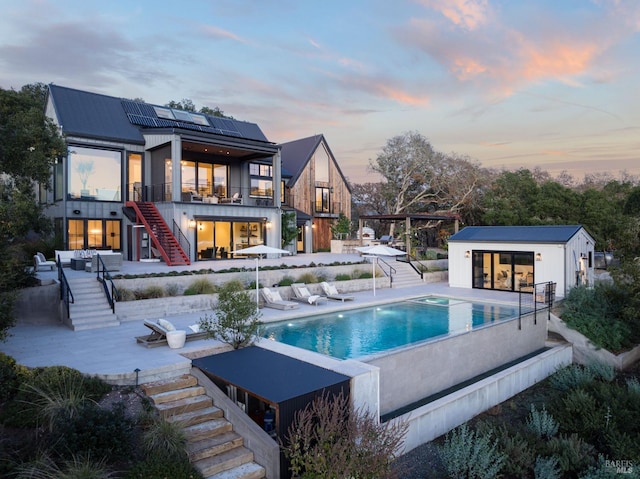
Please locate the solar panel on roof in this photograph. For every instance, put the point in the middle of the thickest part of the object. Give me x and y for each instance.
(131, 107)
(142, 120)
(147, 110)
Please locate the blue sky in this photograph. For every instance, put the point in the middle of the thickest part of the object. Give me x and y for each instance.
(526, 83)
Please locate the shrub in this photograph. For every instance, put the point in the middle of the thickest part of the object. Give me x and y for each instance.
(343, 277)
(572, 453)
(541, 423)
(164, 438)
(172, 289)
(11, 375)
(236, 320)
(579, 412)
(286, 281)
(467, 454)
(633, 385)
(517, 449)
(546, 468)
(329, 439)
(125, 294)
(79, 467)
(307, 278)
(200, 286)
(153, 291)
(364, 274)
(571, 377)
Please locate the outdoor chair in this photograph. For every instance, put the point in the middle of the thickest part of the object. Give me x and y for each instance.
(272, 299)
(301, 293)
(41, 262)
(162, 327)
(332, 293)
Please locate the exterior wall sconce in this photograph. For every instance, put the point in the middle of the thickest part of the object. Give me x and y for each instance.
(313, 225)
(268, 224)
(192, 223)
(113, 213)
(76, 212)
(467, 254)
(538, 256)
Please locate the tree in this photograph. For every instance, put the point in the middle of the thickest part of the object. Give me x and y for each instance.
(416, 178)
(236, 320)
(341, 228)
(30, 145)
(187, 105)
(289, 230)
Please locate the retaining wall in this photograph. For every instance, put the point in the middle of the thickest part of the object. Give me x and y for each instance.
(440, 416)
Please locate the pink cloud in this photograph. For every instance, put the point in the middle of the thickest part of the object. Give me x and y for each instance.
(220, 33)
(469, 14)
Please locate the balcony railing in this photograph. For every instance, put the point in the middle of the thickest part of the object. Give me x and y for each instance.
(226, 196)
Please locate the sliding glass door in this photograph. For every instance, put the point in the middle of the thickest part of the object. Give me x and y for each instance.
(503, 270)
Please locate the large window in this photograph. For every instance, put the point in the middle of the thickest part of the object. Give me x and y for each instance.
(94, 174)
(135, 177)
(505, 270)
(261, 180)
(219, 239)
(322, 200)
(94, 234)
(205, 179)
(321, 165)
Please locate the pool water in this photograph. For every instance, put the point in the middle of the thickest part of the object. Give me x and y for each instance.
(362, 332)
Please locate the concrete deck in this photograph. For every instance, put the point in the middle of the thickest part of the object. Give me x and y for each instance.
(113, 353)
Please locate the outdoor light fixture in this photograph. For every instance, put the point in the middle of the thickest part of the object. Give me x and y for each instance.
(268, 224)
(467, 254)
(538, 256)
(113, 213)
(76, 212)
(192, 223)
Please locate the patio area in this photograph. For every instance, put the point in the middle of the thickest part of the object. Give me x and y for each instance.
(113, 354)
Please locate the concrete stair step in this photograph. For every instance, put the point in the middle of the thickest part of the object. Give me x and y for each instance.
(191, 418)
(94, 323)
(184, 405)
(250, 470)
(207, 429)
(169, 396)
(224, 461)
(211, 446)
(165, 385)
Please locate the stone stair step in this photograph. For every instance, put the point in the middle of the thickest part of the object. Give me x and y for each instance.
(165, 385)
(250, 470)
(211, 446)
(94, 323)
(207, 429)
(184, 405)
(169, 396)
(222, 462)
(191, 418)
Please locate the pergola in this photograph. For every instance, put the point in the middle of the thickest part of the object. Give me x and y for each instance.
(408, 218)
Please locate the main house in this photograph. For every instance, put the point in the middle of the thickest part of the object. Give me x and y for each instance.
(158, 182)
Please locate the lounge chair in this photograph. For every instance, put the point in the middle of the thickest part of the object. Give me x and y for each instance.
(159, 330)
(272, 299)
(301, 293)
(332, 293)
(41, 262)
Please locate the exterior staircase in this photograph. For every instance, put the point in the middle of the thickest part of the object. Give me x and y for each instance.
(212, 445)
(161, 236)
(90, 309)
(405, 275)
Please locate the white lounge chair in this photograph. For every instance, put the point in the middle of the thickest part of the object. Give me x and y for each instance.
(332, 293)
(272, 299)
(40, 262)
(301, 293)
(160, 329)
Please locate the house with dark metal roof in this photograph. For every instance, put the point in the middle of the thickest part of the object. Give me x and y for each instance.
(317, 188)
(515, 258)
(153, 181)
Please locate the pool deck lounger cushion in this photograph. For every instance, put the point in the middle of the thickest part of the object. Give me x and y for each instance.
(332, 293)
(159, 330)
(301, 293)
(273, 300)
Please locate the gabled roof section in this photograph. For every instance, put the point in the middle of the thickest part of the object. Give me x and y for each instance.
(90, 115)
(296, 154)
(517, 234)
(93, 115)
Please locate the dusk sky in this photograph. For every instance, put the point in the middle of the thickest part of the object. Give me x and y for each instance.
(509, 83)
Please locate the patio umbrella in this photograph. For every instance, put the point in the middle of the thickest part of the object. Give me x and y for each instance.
(259, 250)
(378, 250)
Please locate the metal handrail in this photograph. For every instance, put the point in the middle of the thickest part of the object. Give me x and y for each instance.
(392, 270)
(541, 297)
(103, 276)
(182, 239)
(66, 295)
(409, 260)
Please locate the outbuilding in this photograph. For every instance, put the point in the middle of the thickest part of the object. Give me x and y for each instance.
(515, 258)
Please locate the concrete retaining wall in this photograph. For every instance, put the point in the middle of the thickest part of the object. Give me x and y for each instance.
(438, 417)
(584, 352)
(40, 304)
(414, 373)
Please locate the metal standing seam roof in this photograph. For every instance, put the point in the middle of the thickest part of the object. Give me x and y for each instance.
(267, 374)
(517, 234)
(92, 115)
(296, 154)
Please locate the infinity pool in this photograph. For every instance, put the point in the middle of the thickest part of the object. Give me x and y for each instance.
(362, 332)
